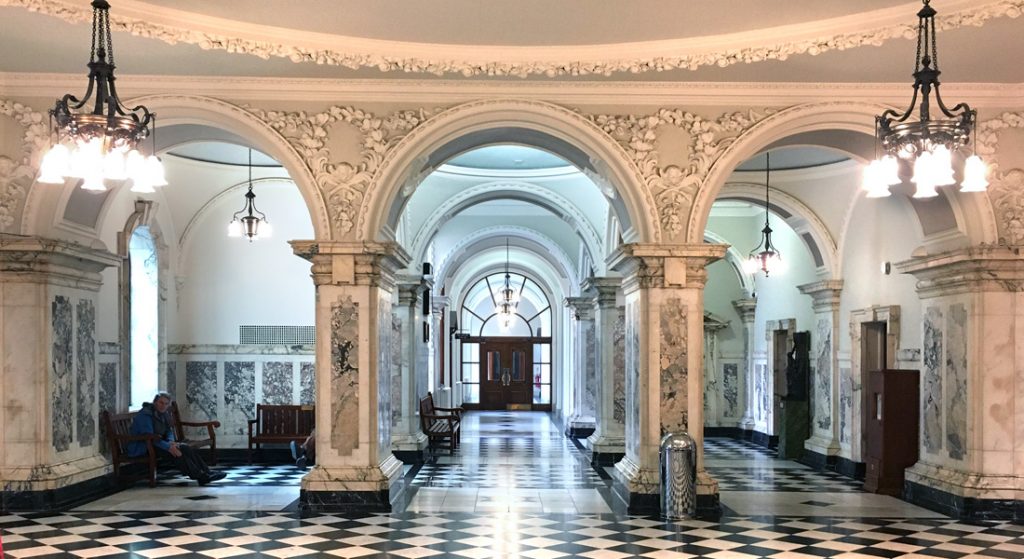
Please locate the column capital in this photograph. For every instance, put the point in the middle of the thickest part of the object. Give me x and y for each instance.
(52, 261)
(825, 293)
(972, 269)
(651, 265)
(604, 288)
(582, 307)
(438, 304)
(746, 308)
(353, 262)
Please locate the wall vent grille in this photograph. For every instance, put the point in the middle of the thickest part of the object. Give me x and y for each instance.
(288, 335)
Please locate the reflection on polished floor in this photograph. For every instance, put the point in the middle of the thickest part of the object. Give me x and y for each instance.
(516, 488)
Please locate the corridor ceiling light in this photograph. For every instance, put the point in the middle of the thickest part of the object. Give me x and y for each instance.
(252, 223)
(508, 300)
(927, 145)
(102, 141)
(765, 256)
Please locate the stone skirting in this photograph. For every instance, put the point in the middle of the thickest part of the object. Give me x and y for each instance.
(579, 431)
(759, 438)
(838, 464)
(350, 501)
(649, 504)
(605, 458)
(964, 508)
(58, 498)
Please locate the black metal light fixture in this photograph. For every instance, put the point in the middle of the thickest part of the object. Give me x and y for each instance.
(249, 221)
(926, 143)
(102, 140)
(507, 297)
(765, 256)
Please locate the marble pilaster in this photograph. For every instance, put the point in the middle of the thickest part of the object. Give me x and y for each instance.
(663, 289)
(747, 309)
(409, 375)
(584, 394)
(49, 392)
(355, 468)
(852, 381)
(971, 460)
(608, 443)
(825, 385)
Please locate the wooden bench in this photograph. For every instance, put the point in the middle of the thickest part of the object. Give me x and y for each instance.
(118, 430)
(179, 432)
(280, 424)
(442, 429)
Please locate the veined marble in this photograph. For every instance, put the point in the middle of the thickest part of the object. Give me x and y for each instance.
(762, 398)
(396, 369)
(730, 389)
(239, 395)
(385, 367)
(345, 375)
(85, 372)
(956, 378)
(632, 357)
(845, 403)
(62, 402)
(108, 348)
(107, 394)
(278, 382)
(201, 390)
(931, 419)
(674, 418)
(823, 376)
(239, 349)
(589, 330)
(619, 378)
(172, 379)
(307, 382)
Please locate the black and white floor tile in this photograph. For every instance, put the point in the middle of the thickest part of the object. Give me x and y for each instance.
(241, 474)
(782, 479)
(732, 449)
(538, 476)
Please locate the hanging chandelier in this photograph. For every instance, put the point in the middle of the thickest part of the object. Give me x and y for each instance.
(765, 256)
(928, 146)
(249, 221)
(103, 142)
(507, 300)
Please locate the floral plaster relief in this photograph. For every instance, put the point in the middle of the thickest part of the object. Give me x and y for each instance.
(18, 171)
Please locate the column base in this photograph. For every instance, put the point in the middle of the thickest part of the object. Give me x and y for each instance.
(410, 449)
(580, 428)
(368, 489)
(56, 486)
(964, 495)
(822, 445)
(606, 450)
(636, 491)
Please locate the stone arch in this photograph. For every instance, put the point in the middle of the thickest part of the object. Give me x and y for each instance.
(543, 125)
(735, 260)
(808, 119)
(44, 202)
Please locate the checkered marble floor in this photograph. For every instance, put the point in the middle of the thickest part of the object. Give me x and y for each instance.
(732, 449)
(247, 534)
(240, 474)
(790, 479)
(538, 476)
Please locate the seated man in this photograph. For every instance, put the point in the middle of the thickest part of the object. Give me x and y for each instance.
(305, 453)
(154, 419)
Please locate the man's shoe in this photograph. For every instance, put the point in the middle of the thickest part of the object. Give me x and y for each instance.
(215, 476)
(295, 450)
(203, 480)
(301, 462)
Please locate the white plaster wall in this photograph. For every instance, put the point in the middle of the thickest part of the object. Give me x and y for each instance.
(723, 287)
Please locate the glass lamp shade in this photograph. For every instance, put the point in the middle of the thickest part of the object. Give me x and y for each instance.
(94, 183)
(155, 171)
(975, 172)
(768, 261)
(942, 166)
(873, 182)
(114, 165)
(890, 171)
(56, 165)
(923, 176)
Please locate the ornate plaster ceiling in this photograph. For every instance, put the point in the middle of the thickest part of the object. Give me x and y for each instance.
(641, 39)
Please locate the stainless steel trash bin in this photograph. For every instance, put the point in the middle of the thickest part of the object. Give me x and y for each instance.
(678, 477)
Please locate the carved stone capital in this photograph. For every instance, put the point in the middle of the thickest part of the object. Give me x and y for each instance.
(967, 270)
(746, 308)
(51, 261)
(647, 266)
(605, 290)
(353, 263)
(582, 307)
(825, 293)
(438, 304)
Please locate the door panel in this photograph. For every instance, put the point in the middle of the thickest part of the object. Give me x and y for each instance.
(506, 381)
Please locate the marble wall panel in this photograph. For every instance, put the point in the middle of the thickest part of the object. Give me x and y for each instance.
(730, 389)
(588, 329)
(396, 371)
(956, 379)
(619, 376)
(172, 379)
(239, 395)
(106, 397)
(385, 370)
(672, 366)
(62, 400)
(762, 397)
(422, 363)
(278, 382)
(345, 375)
(823, 375)
(931, 419)
(85, 372)
(845, 403)
(307, 383)
(201, 390)
(632, 355)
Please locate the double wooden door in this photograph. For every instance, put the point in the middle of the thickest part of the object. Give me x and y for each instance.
(506, 381)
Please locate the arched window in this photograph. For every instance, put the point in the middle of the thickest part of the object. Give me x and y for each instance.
(143, 296)
(531, 311)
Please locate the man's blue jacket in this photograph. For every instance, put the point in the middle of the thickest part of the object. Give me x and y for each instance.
(150, 422)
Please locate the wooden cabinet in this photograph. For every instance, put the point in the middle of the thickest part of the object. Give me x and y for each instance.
(891, 408)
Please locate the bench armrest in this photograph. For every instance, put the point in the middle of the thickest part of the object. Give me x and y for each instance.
(200, 423)
(130, 438)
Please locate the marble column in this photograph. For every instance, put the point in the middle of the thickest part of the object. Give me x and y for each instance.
(440, 339)
(608, 443)
(355, 470)
(747, 309)
(824, 443)
(582, 421)
(409, 374)
(49, 391)
(971, 457)
(663, 290)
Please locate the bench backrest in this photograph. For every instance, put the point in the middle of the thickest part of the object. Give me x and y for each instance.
(179, 431)
(117, 425)
(285, 419)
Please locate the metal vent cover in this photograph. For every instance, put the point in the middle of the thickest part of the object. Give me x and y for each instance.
(288, 335)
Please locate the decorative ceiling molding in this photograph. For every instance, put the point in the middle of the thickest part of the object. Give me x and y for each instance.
(777, 43)
(17, 175)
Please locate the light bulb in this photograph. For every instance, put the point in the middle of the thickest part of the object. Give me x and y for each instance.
(974, 175)
(135, 166)
(873, 183)
(142, 185)
(114, 165)
(923, 176)
(55, 165)
(155, 171)
(942, 166)
(87, 159)
(890, 171)
(235, 228)
(94, 183)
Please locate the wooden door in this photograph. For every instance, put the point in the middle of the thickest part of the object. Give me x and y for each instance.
(505, 380)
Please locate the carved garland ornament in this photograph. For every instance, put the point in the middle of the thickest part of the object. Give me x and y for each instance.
(77, 13)
(17, 176)
(1006, 192)
(343, 184)
(674, 187)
